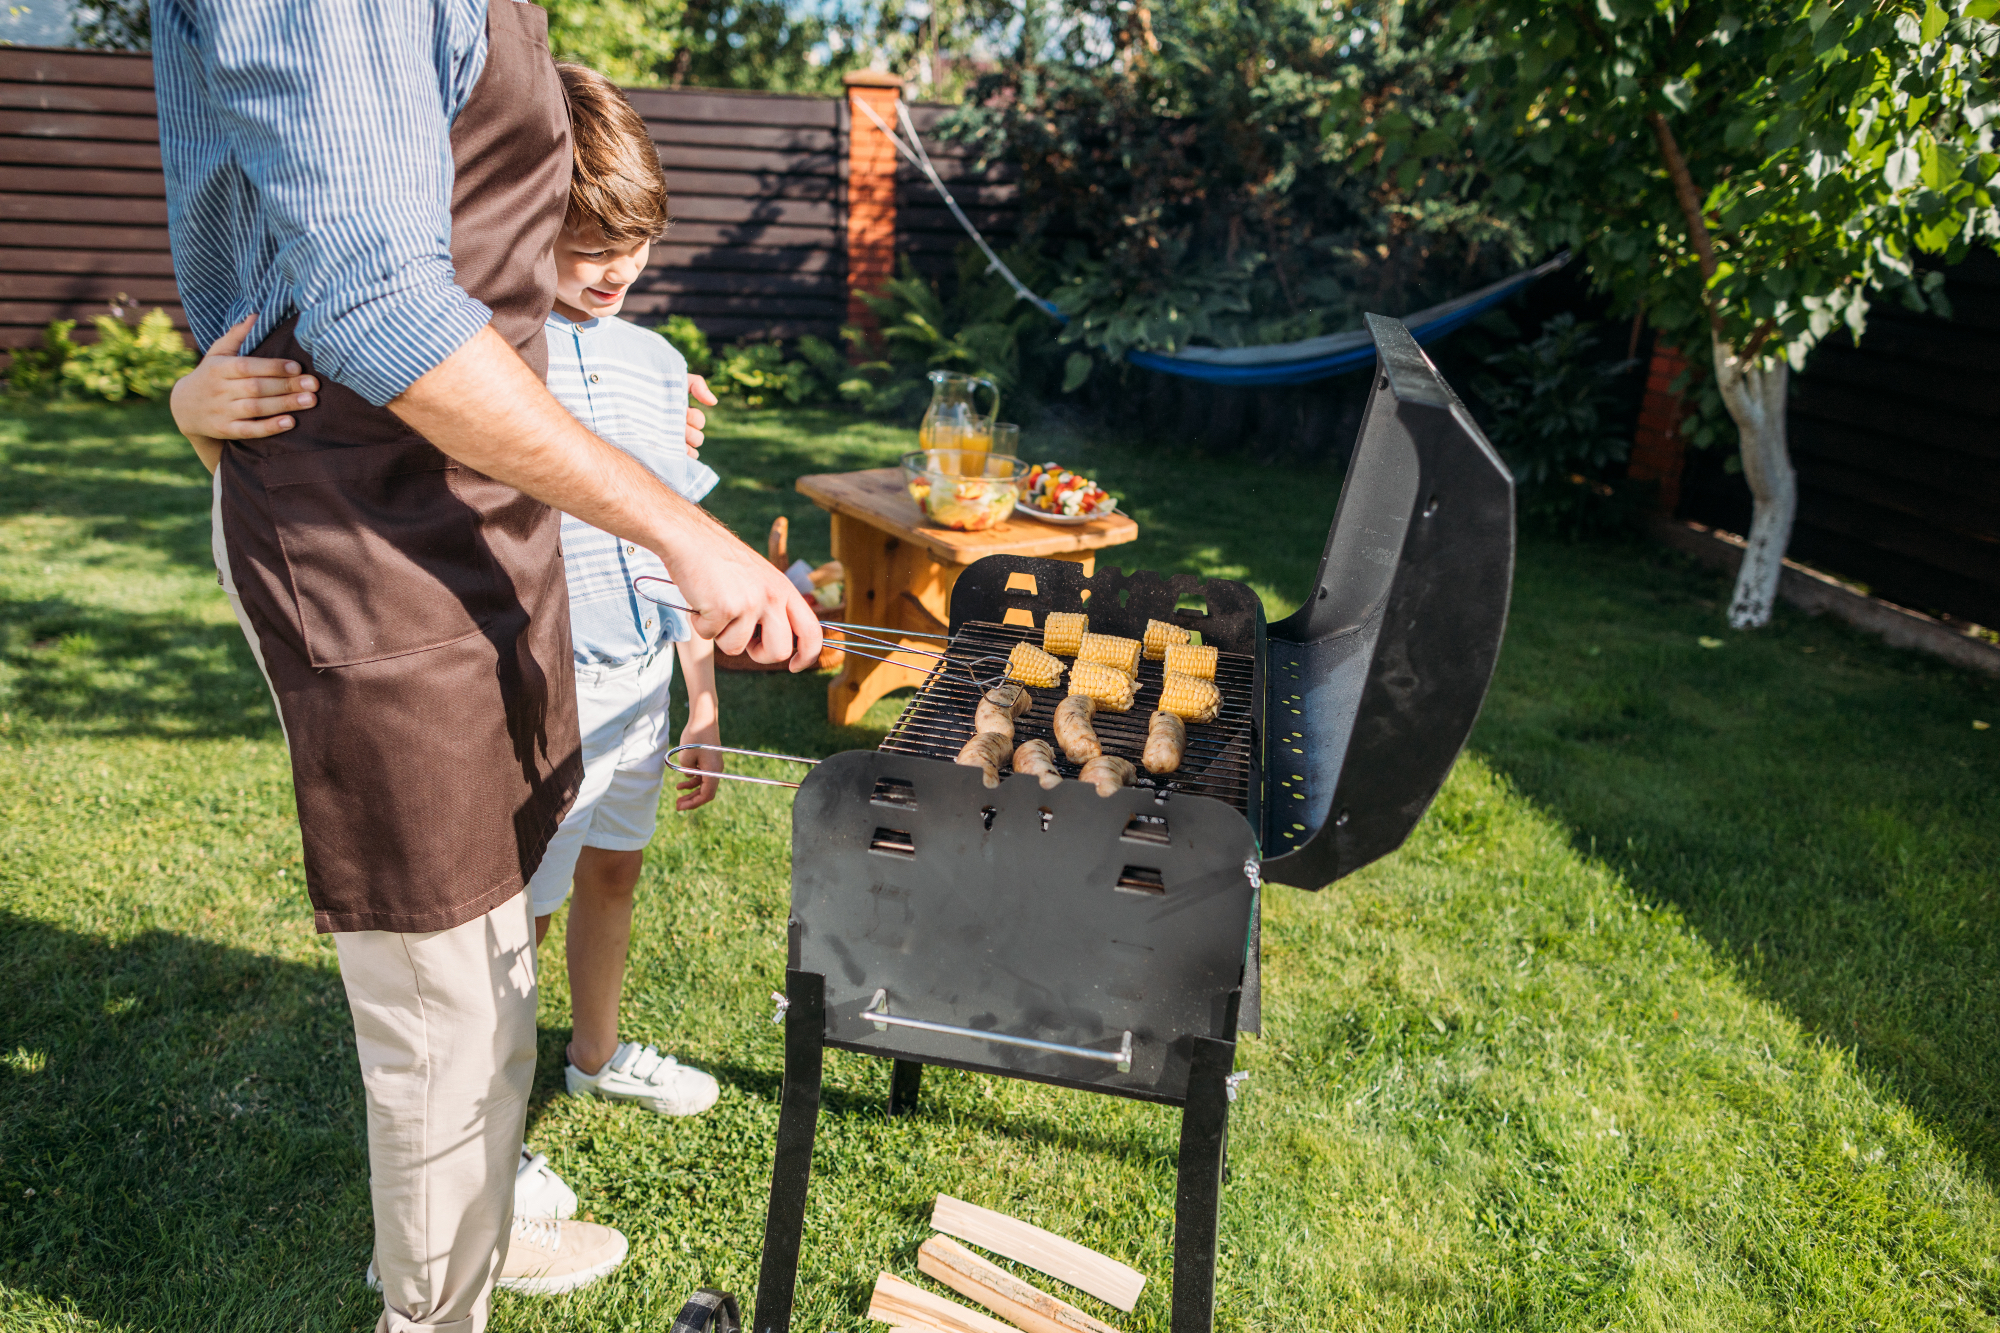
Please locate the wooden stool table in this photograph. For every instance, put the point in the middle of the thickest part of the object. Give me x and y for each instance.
(900, 570)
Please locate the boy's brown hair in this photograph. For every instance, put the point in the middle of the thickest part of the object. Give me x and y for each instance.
(615, 183)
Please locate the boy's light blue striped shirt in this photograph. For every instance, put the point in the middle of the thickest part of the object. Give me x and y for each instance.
(307, 150)
(628, 385)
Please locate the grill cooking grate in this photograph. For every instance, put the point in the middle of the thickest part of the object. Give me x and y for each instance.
(938, 721)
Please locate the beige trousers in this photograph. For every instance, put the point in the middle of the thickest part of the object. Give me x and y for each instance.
(444, 1023)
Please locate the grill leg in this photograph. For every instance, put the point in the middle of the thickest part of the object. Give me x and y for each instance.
(798, 1119)
(905, 1078)
(1198, 1203)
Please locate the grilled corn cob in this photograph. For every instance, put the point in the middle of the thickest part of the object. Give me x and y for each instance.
(1109, 687)
(1112, 651)
(1187, 697)
(1192, 659)
(1158, 635)
(1063, 631)
(1031, 666)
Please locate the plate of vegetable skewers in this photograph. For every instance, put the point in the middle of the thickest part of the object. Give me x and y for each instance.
(1054, 494)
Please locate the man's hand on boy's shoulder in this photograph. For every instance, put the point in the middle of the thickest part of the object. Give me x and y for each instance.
(698, 392)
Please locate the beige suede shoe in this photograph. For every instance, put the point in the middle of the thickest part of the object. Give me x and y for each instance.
(546, 1256)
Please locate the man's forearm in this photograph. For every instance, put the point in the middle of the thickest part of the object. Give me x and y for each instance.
(483, 407)
(487, 410)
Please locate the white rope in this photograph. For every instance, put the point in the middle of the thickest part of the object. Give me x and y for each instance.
(914, 151)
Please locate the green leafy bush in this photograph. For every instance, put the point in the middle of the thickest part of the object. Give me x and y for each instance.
(37, 372)
(691, 343)
(1553, 409)
(128, 360)
(758, 373)
(979, 326)
(1220, 163)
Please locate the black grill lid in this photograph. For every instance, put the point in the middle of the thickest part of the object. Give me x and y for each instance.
(1369, 691)
(1372, 686)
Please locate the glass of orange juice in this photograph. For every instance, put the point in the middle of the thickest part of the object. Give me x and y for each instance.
(976, 437)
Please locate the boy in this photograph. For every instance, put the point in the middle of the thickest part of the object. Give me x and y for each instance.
(630, 387)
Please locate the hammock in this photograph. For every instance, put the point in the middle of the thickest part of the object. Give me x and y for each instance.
(1274, 364)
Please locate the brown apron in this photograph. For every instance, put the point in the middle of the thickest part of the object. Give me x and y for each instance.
(411, 612)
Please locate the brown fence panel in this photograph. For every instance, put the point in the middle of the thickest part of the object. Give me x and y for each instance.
(756, 182)
(83, 211)
(1897, 446)
(927, 235)
(757, 247)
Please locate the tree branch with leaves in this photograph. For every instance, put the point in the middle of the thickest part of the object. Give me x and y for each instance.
(1753, 175)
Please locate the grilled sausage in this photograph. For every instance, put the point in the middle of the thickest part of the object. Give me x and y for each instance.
(1108, 772)
(1073, 730)
(1166, 739)
(1000, 706)
(1037, 758)
(986, 752)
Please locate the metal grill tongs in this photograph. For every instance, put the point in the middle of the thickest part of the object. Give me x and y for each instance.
(871, 634)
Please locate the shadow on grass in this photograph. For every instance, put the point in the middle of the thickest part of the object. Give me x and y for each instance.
(119, 470)
(181, 1140)
(1818, 806)
(1147, 1142)
(1814, 804)
(115, 673)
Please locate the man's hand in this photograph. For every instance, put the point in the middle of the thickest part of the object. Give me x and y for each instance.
(483, 407)
(740, 600)
(698, 391)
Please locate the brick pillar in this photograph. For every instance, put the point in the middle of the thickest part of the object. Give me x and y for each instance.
(1658, 451)
(871, 193)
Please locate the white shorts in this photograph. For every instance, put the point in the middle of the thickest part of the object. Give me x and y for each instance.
(622, 713)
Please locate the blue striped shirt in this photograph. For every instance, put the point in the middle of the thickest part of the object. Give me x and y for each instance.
(307, 149)
(629, 386)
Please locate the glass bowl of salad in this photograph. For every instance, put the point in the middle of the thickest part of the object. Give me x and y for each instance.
(967, 490)
(1054, 494)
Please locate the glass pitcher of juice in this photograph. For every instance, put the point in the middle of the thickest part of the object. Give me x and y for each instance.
(950, 420)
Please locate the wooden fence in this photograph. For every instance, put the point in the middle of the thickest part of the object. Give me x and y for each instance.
(758, 180)
(926, 233)
(1897, 446)
(1897, 442)
(83, 212)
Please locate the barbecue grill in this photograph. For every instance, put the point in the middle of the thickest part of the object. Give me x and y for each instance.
(1108, 944)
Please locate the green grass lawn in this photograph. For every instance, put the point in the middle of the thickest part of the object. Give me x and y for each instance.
(1680, 1010)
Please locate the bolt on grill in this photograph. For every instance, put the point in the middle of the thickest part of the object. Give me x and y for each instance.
(1109, 944)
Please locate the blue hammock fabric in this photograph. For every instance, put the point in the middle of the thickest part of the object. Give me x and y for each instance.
(1323, 358)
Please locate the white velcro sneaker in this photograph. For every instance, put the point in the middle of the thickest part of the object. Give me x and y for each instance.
(641, 1074)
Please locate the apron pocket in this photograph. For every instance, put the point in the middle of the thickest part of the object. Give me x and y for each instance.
(384, 557)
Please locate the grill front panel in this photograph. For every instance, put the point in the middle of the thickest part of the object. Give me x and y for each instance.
(938, 719)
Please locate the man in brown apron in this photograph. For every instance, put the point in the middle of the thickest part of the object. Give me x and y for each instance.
(403, 594)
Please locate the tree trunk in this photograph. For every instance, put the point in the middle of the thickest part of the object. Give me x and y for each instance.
(1754, 393)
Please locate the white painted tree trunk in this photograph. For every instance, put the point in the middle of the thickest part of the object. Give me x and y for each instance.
(1755, 397)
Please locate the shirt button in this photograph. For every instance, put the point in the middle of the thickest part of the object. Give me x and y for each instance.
(593, 379)
(631, 550)
(649, 622)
